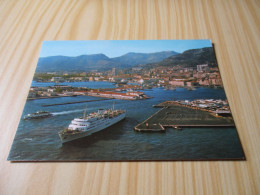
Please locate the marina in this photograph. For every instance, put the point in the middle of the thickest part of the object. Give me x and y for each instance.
(178, 116)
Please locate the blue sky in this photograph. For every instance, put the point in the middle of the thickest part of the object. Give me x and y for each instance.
(117, 48)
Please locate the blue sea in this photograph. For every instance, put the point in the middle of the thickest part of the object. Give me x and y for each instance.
(38, 140)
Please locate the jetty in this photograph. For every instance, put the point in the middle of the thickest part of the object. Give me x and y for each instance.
(177, 117)
(50, 97)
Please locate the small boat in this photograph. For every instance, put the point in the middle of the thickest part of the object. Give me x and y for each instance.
(177, 128)
(38, 115)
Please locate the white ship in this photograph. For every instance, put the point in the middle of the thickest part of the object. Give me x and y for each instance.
(88, 124)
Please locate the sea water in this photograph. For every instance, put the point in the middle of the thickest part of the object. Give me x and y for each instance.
(38, 139)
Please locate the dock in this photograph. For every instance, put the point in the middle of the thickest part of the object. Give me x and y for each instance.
(178, 117)
(150, 124)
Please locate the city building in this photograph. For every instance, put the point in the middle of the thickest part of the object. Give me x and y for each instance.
(113, 71)
(56, 79)
(177, 82)
(108, 94)
(202, 67)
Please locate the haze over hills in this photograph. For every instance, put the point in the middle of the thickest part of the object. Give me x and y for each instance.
(143, 58)
(98, 61)
(79, 63)
(190, 58)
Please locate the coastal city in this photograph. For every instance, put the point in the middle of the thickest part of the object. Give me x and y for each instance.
(133, 84)
(155, 99)
(127, 82)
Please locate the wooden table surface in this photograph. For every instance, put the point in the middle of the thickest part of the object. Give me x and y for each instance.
(232, 25)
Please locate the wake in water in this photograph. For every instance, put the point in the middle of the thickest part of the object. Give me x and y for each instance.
(66, 112)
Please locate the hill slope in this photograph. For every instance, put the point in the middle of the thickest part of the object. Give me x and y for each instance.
(133, 59)
(191, 58)
(79, 63)
(98, 61)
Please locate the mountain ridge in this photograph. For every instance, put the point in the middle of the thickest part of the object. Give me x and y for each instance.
(132, 58)
(191, 58)
(98, 61)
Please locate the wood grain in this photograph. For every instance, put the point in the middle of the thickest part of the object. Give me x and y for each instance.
(232, 25)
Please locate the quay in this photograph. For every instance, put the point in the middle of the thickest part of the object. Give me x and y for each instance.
(48, 105)
(178, 116)
(135, 95)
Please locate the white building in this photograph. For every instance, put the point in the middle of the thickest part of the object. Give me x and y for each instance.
(202, 67)
(56, 79)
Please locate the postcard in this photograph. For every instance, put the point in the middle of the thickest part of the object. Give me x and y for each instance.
(126, 100)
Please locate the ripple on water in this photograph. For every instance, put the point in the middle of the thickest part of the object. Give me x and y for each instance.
(39, 140)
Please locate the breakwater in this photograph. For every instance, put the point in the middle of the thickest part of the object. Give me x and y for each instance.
(77, 102)
(50, 97)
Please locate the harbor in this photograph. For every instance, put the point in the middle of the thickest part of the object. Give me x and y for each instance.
(177, 116)
(39, 138)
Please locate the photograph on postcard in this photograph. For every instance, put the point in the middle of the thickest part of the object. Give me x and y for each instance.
(126, 100)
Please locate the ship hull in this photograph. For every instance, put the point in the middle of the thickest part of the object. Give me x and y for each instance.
(103, 125)
(37, 117)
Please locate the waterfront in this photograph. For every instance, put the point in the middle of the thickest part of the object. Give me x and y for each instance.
(38, 139)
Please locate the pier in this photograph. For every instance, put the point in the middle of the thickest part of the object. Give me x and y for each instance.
(48, 105)
(178, 116)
